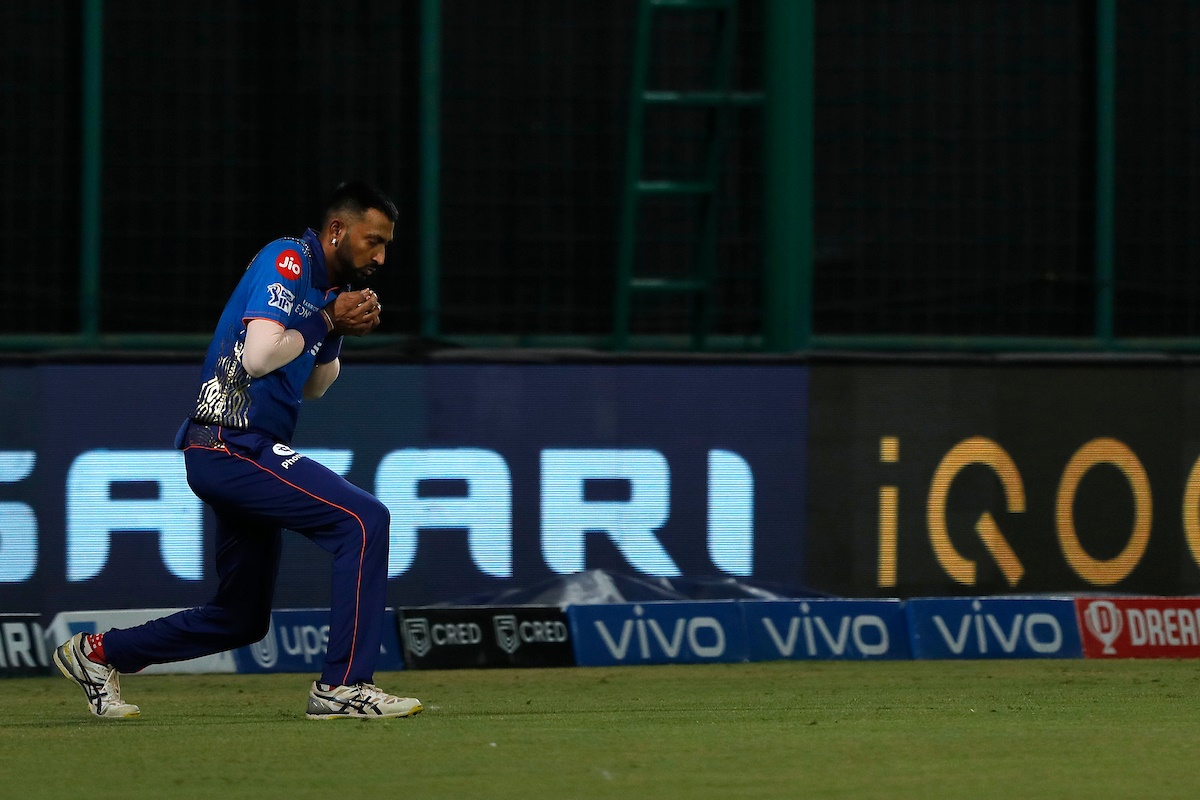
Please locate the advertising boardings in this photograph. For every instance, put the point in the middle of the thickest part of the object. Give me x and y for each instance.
(23, 646)
(658, 633)
(298, 639)
(953, 479)
(826, 630)
(496, 476)
(68, 623)
(482, 636)
(1140, 627)
(993, 627)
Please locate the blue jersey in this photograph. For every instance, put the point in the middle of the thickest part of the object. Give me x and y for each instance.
(287, 283)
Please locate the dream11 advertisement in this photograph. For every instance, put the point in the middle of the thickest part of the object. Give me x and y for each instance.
(497, 476)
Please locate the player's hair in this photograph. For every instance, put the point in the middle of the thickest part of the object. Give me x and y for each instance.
(357, 197)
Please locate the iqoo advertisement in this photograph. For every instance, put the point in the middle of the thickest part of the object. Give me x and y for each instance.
(496, 476)
(936, 479)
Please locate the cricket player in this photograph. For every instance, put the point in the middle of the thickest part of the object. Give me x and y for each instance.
(277, 343)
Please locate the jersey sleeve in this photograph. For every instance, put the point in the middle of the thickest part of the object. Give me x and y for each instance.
(279, 277)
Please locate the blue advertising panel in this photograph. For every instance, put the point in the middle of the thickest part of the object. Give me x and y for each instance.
(68, 623)
(826, 630)
(298, 639)
(658, 633)
(497, 476)
(994, 627)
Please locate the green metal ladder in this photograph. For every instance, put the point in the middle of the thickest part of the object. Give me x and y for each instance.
(721, 99)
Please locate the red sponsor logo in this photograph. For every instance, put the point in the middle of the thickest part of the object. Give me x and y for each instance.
(288, 264)
(1139, 627)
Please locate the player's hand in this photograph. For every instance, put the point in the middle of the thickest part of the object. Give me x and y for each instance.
(355, 313)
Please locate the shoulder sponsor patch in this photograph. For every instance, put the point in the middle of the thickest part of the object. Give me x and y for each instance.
(288, 264)
(279, 296)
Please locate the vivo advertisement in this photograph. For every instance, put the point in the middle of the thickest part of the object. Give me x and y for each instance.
(991, 627)
(497, 476)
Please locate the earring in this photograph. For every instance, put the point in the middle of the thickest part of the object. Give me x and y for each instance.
(333, 241)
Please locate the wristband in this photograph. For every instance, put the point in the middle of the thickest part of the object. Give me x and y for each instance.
(330, 350)
(313, 329)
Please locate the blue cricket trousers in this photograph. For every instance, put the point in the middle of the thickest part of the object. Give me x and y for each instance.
(256, 487)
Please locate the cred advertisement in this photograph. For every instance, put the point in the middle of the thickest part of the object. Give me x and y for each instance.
(520, 636)
(1140, 627)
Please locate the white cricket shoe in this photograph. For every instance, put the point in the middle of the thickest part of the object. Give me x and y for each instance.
(98, 681)
(360, 701)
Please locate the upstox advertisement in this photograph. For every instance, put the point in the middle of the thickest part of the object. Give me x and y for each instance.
(1002, 478)
(297, 640)
(497, 476)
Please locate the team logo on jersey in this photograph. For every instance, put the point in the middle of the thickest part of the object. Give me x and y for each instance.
(288, 264)
(288, 455)
(280, 297)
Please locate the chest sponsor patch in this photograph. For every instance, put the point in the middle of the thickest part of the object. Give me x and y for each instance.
(279, 296)
(288, 265)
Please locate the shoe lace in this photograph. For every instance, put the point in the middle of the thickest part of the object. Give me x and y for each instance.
(103, 684)
(112, 688)
(373, 691)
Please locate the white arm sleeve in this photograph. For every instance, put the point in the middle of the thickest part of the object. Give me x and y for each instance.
(323, 376)
(269, 346)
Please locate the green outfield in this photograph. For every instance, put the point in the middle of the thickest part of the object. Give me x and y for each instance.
(1020, 729)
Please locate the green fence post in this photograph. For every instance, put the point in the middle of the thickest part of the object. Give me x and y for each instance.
(788, 179)
(1106, 149)
(430, 168)
(92, 91)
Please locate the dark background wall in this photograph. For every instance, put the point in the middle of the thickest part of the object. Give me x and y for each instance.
(954, 179)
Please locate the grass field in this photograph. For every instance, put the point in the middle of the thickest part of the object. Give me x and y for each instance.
(1017, 729)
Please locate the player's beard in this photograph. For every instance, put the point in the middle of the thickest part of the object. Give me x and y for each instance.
(361, 276)
(351, 273)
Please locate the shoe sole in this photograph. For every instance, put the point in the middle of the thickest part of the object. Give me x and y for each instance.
(411, 713)
(66, 671)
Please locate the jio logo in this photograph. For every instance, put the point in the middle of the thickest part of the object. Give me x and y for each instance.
(288, 264)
